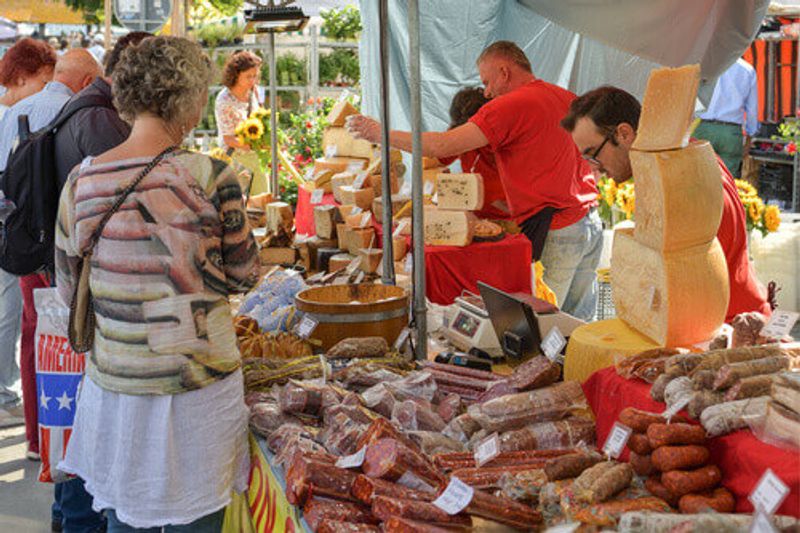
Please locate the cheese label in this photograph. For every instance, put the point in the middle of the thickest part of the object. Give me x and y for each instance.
(405, 190)
(359, 277)
(352, 461)
(361, 177)
(428, 189)
(616, 440)
(487, 450)
(780, 324)
(401, 227)
(553, 343)
(331, 150)
(769, 493)
(306, 327)
(365, 218)
(316, 196)
(455, 497)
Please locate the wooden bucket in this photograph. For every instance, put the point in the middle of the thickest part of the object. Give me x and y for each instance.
(363, 310)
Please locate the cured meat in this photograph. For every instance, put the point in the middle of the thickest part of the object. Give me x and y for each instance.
(498, 389)
(299, 397)
(535, 373)
(485, 478)
(449, 408)
(679, 433)
(432, 442)
(523, 486)
(351, 348)
(727, 417)
(659, 387)
(462, 371)
(678, 390)
(412, 416)
(325, 478)
(720, 500)
(455, 461)
(608, 482)
(365, 488)
(380, 428)
(281, 436)
(684, 364)
(654, 485)
(607, 514)
(702, 400)
(384, 508)
(467, 395)
(626, 366)
(567, 433)
(703, 380)
(650, 522)
(642, 464)
(457, 380)
(729, 374)
(569, 466)
(638, 443)
(503, 510)
(786, 390)
(750, 387)
(746, 328)
(392, 460)
(639, 420)
(781, 424)
(668, 458)
(718, 358)
(319, 510)
(338, 526)
(267, 417)
(681, 482)
(462, 427)
(395, 524)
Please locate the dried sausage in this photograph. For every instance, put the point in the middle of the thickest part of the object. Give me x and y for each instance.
(642, 464)
(720, 500)
(668, 458)
(665, 434)
(681, 482)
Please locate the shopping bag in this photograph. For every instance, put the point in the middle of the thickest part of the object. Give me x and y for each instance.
(59, 370)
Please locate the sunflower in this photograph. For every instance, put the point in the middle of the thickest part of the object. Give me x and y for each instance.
(253, 129)
(755, 209)
(772, 218)
(260, 112)
(745, 189)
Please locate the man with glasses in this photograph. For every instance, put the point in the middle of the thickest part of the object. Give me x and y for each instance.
(549, 190)
(603, 125)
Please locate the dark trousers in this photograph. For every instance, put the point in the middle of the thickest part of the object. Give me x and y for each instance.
(727, 141)
(73, 508)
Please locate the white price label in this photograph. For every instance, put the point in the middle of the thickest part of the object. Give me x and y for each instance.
(553, 343)
(435, 198)
(769, 493)
(428, 189)
(673, 409)
(401, 227)
(359, 277)
(455, 497)
(356, 210)
(379, 270)
(402, 339)
(306, 327)
(353, 266)
(780, 324)
(331, 150)
(617, 439)
(316, 196)
(310, 174)
(727, 330)
(487, 450)
(409, 264)
(412, 481)
(358, 183)
(762, 524)
(405, 190)
(365, 219)
(355, 167)
(352, 461)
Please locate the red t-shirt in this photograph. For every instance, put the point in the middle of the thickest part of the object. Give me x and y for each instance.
(747, 294)
(538, 164)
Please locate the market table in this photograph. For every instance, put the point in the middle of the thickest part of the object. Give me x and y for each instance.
(740, 455)
(505, 264)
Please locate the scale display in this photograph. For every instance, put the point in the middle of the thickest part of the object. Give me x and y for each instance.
(465, 324)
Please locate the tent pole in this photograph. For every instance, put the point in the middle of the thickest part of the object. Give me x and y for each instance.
(107, 14)
(274, 188)
(418, 228)
(387, 276)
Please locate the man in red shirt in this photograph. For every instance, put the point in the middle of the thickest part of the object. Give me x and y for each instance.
(603, 124)
(550, 190)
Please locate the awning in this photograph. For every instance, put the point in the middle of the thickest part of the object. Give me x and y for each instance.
(40, 12)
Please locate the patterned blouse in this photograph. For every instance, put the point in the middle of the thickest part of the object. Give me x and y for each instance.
(229, 111)
(161, 271)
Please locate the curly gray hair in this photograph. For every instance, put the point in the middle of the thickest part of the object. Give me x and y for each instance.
(164, 76)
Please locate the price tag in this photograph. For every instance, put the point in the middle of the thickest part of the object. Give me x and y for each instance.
(617, 439)
(402, 339)
(487, 449)
(401, 227)
(409, 264)
(379, 270)
(316, 196)
(352, 461)
(727, 330)
(353, 266)
(428, 189)
(435, 198)
(455, 497)
(331, 150)
(356, 210)
(410, 480)
(769, 493)
(673, 409)
(651, 297)
(306, 327)
(780, 324)
(405, 190)
(355, 167)
(365, 218)
(310, 174)
(358, 183)
(553, 343)
(762, 524)
(359, 277)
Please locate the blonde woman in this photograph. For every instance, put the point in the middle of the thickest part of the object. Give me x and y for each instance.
(160, 427)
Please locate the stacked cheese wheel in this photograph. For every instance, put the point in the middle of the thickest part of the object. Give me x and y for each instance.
(676, 459)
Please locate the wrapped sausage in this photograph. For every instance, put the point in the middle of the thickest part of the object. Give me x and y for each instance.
(395, 524)
(327, 480)
(702, 400)
(719, 500)
(380, 399)
(535, 373)
(449, 408)
(412, 416)
(683, 364)
(678, 390)
(497, 390)
(392, 460)
(420, 385)
(727, 417)
(607, 484)
(703, 380)
(358, 347)
(455, 461)
(431, 442)
(786, 390)
(502, 510)
(267, 417)
(681, 482)
(750, 387)
(746, 328)
(338, 526)
(568, 433)
(678, 433)
(461, 428)
(385, 508)
(489, 477)
(650, 522)
(569, 466)
(729, 374)
(302, 398)
(523, 486)
(639, 420)
(714, 360)
(319, 510)
(380, 428)
(365, 488)
(281, 436)
(660, 386)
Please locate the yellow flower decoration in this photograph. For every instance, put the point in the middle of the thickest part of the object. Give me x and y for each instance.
(772, 218)
(253, 129)
(745, 189)
(260, 113)
(755, 209)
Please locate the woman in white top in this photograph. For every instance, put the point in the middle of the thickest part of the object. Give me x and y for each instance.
(238, 99)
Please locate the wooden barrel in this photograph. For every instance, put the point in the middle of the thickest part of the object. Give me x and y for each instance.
(363, 310)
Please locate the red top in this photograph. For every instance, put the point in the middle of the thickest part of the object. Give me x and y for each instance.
(747, 294)
(538, 163)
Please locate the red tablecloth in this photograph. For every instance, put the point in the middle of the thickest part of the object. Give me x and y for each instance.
(740, 455)
(451, 269)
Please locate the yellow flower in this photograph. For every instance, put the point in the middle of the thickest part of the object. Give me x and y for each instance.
(260, 112)
(239, 128)
(745, 189)
(253, 129)
(772, 218)
(755, 209)
(219, 153)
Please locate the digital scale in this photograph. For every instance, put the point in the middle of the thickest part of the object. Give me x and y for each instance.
(469, 326)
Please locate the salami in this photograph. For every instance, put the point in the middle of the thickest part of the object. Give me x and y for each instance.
(461, 428)
(458, 380)
(523, 486)
(413, 416)
(703, 380)
(381, 428)
(485, 478)
(462, 371)
(319, 510)
(750, 387)
(338, 526)
(503, 510)
(638, 443)
(535, 373)
(431, 442)
(720, 500)
(358, 347)
(610, 482)
(327, 480)
(627, 367)
(639, 420)
(729, 374)
(395, 524)
(300, 398)
(569, 466)
(642, 464)
(365, 488)
(668, 458)
(649, 522)
(392, 460)
(657, 489)
(683, 364)
(681, 482)
(746, 328)
(714, 360)
(727, 417)
(608, 514)
(449, 408)
(567, 433)
(660, 386)
(498, 389)
(385, 508)
(679, 433)
(454, 461)
(702, 400)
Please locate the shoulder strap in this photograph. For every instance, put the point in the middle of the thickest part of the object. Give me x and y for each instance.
(73, 106)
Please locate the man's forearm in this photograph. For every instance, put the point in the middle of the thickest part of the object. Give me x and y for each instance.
(431, 143)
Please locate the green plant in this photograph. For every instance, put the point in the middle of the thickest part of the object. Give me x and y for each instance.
(341, 24)
(339, 67)
(291, 70)
(287, 188)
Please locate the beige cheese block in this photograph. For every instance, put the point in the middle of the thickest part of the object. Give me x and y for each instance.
(460, 192)
(346, 144)
(359, 197)
(341, 234)
(370, 259)
(675, 298)
(340, 112)
(322, 180)
(279, 214)
(325, 219)
(376, 182)
(667, 108)
(678, 196)
(340, 180)
(339, 262)
(338, 164)
(430, 175)
(399, 248)
(277, 256)
(448, 228)
(359, 220)
(406, 223)
(357, 238)
(397, 203)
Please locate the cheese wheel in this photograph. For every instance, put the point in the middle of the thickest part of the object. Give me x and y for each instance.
(667, 108)
(346, 145)
(678, 196)
(448, 228)
(340, 112)
(461, 192)
(675, 298)
(596, 345)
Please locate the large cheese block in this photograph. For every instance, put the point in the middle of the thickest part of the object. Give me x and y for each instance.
(399, 247)
(370, 259)
(398, 202)
(339, 262)
(598, 344)
(667, 108)
(346, 145)
(321, 179)
(325, 219)
(338, 164)
(376, 182)
(678, 196)
(461, 192)
(676, 298)
(448, 228)
(340, 180)
(355, 239)
(358, 197)
(277, 256)
(279, 214)
(340, 112)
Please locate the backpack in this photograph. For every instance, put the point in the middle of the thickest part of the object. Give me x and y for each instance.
(30, 181)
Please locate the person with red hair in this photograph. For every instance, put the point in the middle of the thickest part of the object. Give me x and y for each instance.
(24, 70)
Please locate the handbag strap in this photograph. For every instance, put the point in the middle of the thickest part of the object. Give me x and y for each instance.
(121, 198)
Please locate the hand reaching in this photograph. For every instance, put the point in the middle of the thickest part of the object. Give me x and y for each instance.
(362, 127)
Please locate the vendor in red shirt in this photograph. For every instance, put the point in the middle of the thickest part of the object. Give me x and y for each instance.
(603, 124)
(550, 190)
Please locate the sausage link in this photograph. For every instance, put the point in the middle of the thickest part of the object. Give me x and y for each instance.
(665, 434)
(681, 482)
(668, 458)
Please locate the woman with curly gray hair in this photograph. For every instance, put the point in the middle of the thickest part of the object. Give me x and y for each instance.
(160, 427)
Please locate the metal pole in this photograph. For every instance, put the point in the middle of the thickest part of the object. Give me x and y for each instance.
(418, 228)
(107, 24)
(386, 159)
(273, 119)
(313, 62)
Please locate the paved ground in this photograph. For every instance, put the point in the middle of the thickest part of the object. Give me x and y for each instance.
(24, 502)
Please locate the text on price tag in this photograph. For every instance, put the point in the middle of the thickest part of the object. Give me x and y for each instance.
(487, 450)
(780, 324)
(306, 326)
(617, 439)
(355, 167)
(427, 190)
(352, 461)
(769, 493)
(331, 150)
(673, 409)
(762, 524)
(553, 343)
(358, 183)
(316, 196)
(401, 227)
(455, 497)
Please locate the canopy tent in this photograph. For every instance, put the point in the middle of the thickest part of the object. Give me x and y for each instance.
(40, 12)
(577, 44)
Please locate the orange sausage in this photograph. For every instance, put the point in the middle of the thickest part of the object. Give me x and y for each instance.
(668, 458)
(665, 434)
(720, 500)
(681, 482)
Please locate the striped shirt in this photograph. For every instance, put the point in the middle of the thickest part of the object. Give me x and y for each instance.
(161, 271)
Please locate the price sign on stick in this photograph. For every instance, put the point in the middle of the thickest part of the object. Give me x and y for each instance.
(358, 183)
(401, 227)
(617, 439)
(331, 150)
(353, 266)
(455, 497)
(487, 450)
(365, 218)
(762, 524)
(769, 493)
(316, 196)
(352, 461)
(306, 327)
(428, 189)
(780, 324)
(673, 409)
(553, 343)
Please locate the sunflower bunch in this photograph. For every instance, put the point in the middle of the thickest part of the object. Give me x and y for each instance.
(254, 131)
(764, 218)
(626, 199)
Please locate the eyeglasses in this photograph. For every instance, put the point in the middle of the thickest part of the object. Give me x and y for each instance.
(592, 158)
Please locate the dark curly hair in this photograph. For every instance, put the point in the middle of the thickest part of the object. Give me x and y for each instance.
(466, 103)
(236, 64)
(25, 59)
(134, 37)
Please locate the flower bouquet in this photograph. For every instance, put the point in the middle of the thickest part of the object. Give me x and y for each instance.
(764, 218)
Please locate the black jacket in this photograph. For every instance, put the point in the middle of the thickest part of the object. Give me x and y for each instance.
(90, 131)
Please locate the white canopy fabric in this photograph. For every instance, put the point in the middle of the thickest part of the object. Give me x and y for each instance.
(577, 44)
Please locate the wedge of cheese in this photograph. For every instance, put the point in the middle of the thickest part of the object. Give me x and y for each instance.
(339, 262)
(460, 192)
(399, 247)
(340, 112)
(279, 214)
(338, 164)
(667, 109)
(448, 228)
(356, 239)
(370, 259)
(675, 298)
(398, 202)
(346, 145)
(678, 196)
(376, 182)
(340, 180)
(322, 179)
(325, 219)
(359, 197)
